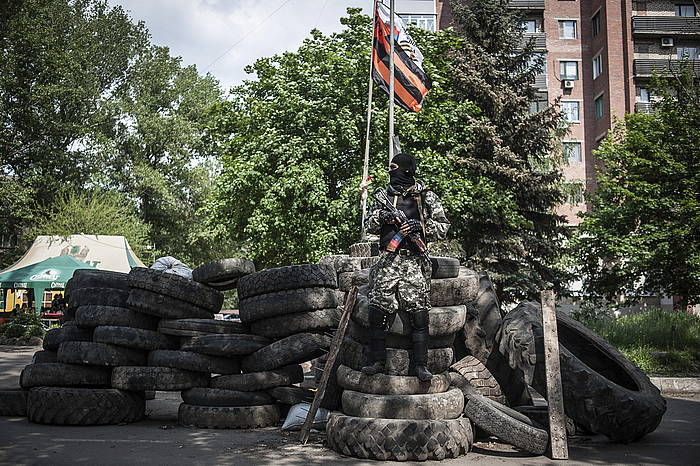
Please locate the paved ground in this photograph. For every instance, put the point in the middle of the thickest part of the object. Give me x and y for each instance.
(159, 440)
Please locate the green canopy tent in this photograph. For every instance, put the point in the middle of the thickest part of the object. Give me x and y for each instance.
(52, 273)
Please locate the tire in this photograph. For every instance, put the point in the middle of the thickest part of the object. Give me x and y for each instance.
(382, 384)
(399, 439)
(367, 249)
(177, 287)
(200, 327)
(194, 362)
(504, 423)
(44, 357)
(286, 325)
(228, 417)
(99, 354)
(137, 338)
(483, 323)
(398, 361)
(223, 274)
(255, 381)
(56, 336)
(92, 278)
(13, 402)
(269, 305)
(218, 397)
(226, 345)
(345, 280)
(63, 375)
(454, 291)
(156, 378)
(164, 306)
(361, 335)
(342, 263)
(446, 405)
(83, 406)
(539, 416)
(98, 296)
(287, 278)
(444, 267)
(96, 316)
(368, 262)
(291, 395)
(476, 373)
(293, 349)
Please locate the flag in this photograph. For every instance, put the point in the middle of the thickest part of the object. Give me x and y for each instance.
(411, 84)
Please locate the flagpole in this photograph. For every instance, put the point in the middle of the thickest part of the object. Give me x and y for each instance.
(365, 168)
(391, 82)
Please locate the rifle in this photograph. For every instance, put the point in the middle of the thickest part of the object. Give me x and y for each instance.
(381, 197)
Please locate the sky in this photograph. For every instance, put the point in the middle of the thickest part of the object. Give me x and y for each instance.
(223, 36)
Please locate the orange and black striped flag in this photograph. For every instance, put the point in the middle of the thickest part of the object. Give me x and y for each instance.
(411, 84)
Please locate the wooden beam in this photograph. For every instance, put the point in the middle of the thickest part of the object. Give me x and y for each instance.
(332, 355)
(555, 397)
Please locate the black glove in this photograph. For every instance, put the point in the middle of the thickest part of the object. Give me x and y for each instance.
(415, 225)
(386, 217)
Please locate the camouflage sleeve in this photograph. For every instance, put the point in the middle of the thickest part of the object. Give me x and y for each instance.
(372, 223)
(436, 223)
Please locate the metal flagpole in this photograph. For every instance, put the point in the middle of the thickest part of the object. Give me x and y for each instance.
(391, 83)
(365, 168)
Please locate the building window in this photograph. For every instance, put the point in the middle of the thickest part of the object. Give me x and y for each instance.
(599, 107)
(533, 61)
(529, 25)
(685, 10)
(642, 47)
(570, 109)
(567, 29)
(568, 69)
(643, 94)
(572, 151)
(595, 24)
(687, 53)
(422, 21)
(597, 66)
(639, 5)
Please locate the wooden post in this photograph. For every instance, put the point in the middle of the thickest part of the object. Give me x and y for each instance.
(332, 355)
(555, 398)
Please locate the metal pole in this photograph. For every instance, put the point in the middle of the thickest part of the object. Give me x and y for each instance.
(391, 83)
(365, 168)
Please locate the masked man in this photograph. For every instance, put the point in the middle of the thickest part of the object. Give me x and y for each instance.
(401, 279)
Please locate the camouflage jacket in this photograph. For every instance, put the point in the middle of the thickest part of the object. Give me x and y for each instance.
(434, 219)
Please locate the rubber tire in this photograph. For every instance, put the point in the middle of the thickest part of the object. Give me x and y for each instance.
(96, 316)
(287, 278)
(362, 335)
(504, 423)
(58, 374)
(365, 249)
(476, 373)
(398, 361)
(446, 405)
(56, 336)
(368, 262)
(286, 325)
(226, 345)
(177, 287)
(255, 381)
(220, 397)
(291, 395)
(454, 291)
(229, 417)
(382, 384)
(84, 406)
(223, 274)
(342, 263)
(399, 439)
(100, 354)
(194, 362)
(44, 357)
(156, 378)
(483, 322)
(444, 267)
(294, 349)
(137, 338)
(98, 296)
(13, 402)
(280, 303)
(200, 327)
(93, 278)
(163, 306)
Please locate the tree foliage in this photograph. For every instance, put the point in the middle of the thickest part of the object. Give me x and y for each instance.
(643, 235)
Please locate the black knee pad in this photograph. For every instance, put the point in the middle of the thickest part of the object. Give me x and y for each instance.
(419, 320)
(378, 318)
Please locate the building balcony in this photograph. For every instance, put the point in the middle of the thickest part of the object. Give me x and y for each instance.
(666, 25)
(527, 4)
(539, 40)
(540, 82)
(644, 107)
(647, 67)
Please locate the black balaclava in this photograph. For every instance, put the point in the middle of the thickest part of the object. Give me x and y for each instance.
(403, 177)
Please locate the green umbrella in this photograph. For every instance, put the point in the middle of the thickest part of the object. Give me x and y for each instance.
(52, 273)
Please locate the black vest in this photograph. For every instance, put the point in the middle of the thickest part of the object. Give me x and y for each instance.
(409, 205)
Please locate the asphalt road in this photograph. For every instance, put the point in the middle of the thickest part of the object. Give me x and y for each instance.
(159, 440)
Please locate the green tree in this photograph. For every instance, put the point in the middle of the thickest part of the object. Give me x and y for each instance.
(643, 234)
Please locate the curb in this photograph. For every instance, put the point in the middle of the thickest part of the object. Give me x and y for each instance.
(677, 385)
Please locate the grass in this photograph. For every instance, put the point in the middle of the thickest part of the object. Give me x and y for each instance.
(658, 342)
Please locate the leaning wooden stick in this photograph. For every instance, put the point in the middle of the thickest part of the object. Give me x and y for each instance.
(332, 355)
(555, 397)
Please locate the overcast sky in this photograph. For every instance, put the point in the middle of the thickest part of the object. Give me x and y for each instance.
(200, 31)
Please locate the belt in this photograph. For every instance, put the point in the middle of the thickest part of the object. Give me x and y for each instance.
(403, 252)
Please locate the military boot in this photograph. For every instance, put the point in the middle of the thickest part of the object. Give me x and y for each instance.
(419, 319)
(378, 328)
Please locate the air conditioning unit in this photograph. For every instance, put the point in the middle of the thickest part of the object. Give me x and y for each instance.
(568, 84)
(667, 42)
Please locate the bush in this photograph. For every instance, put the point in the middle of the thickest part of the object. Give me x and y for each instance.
(34, 331)
(12, 330)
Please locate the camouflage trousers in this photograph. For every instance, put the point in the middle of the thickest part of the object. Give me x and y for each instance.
(399, 282)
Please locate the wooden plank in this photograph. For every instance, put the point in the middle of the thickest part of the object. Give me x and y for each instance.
(332, 355)
(555, 397)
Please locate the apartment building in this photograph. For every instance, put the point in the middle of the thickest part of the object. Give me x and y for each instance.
(600, 56)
